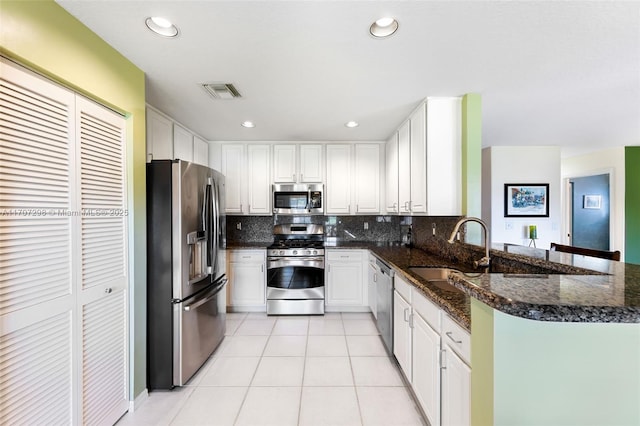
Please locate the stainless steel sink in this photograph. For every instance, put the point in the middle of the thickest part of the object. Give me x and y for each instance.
(436, 277)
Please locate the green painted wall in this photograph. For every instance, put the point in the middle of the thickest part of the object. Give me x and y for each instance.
(632, 204)
(482, 364)
(472, 162)
(551, 373)
(44, 37)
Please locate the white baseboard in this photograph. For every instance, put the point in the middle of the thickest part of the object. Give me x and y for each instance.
(140, 399)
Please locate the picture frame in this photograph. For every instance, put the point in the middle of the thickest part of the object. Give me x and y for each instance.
(526, 200)
(592, 202)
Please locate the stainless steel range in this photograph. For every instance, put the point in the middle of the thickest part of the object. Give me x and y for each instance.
(295, 270)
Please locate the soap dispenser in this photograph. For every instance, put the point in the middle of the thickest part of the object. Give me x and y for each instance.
(409, 238)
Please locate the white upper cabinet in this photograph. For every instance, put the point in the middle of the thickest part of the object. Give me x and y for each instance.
(284, 163)
(404, 169)
(311, 163)
(259, 191)
(182, 143)
(297, 163)
(168, 140)
(200, 151)
(391, 159)
(338, 187)
(444, 156)
(367, 178)
(429, 159)
(232, 167)
(159, 136)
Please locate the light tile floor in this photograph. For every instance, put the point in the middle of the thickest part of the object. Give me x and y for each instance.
(330, 370)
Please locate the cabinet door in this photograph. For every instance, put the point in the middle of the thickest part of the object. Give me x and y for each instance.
(284, 163)
(444, 156)
(372, 275)
(402, 333)
(259, 184)
(418, 160)
(367, 178)
(338, 189)
(200, 151)
(426, 369)
(247, 284)
(311, 162)
(456, 390)
(233, 168)
(391, 174)
(404, 168)
(159, 136)
(182, 143)
(344, 284)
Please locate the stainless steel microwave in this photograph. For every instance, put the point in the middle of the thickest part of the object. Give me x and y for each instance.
(298, 199)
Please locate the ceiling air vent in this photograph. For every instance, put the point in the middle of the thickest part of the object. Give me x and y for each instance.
(221, 90)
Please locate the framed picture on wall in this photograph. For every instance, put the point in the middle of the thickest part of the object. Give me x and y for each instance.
(592, 202)
(526, 200)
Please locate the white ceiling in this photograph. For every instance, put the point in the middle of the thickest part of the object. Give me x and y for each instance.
(550, 73)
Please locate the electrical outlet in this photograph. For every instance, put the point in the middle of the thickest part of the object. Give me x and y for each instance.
(239, 226)
(433, 229)
(366, 226)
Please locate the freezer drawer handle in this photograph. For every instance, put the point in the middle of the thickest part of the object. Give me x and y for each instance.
(201, 302)
(450, 336)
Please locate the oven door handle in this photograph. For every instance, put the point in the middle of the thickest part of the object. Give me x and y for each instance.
(281, 262)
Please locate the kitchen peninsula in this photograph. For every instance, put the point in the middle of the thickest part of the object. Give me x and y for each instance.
(557, 342)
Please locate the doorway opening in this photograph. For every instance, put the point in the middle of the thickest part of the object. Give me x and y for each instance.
(589, 204)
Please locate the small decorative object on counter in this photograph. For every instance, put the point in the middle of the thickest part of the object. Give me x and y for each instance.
(533, 235)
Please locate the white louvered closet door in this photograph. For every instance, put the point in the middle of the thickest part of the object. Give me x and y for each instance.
(36, 278)
(63, 258)
(103, 267)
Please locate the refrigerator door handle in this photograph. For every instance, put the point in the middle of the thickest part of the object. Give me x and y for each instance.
(215, 243)
(208, 226)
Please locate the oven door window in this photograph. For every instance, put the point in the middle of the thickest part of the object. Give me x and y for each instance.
(291, 200)
(295, 277)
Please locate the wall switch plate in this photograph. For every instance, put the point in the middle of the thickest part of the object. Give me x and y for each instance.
(239, 226)
(366, 226)
(508, 226)
(433, 229)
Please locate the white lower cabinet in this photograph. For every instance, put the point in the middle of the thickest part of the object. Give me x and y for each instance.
(247, 280)
(426, 369)
(345, 286)
(402, 333)
(456, 389)
(441, 380)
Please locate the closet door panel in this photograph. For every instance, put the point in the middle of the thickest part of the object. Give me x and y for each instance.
(37, 298)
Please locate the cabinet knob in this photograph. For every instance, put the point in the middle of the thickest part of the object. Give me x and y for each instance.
(108, 290)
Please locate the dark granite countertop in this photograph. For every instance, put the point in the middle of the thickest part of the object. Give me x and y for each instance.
(527, 282)
(243, 245)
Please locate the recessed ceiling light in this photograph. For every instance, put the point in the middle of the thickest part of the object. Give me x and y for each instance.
(161, 26)
(248, 124)
(383, 27)
(351, 124)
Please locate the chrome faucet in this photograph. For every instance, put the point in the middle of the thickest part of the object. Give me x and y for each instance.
(486, 260)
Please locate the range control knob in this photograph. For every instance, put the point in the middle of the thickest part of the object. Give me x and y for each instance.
(281, 252)
(307, 252)
(315, 252)
(295, 252)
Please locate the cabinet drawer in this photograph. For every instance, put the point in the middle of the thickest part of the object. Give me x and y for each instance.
(428, 310)
(247, 255)
(345, 255)
(457, 338)
(403, 288)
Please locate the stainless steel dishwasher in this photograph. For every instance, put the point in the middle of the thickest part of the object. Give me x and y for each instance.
(385, 304)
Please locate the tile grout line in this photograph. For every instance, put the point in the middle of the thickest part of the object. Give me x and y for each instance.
(304, 367)
(353, 377)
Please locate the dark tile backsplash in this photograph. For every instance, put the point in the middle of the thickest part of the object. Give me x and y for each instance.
(254, 229)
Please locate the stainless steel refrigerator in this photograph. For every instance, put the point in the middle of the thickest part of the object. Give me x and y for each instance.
(186, 297)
